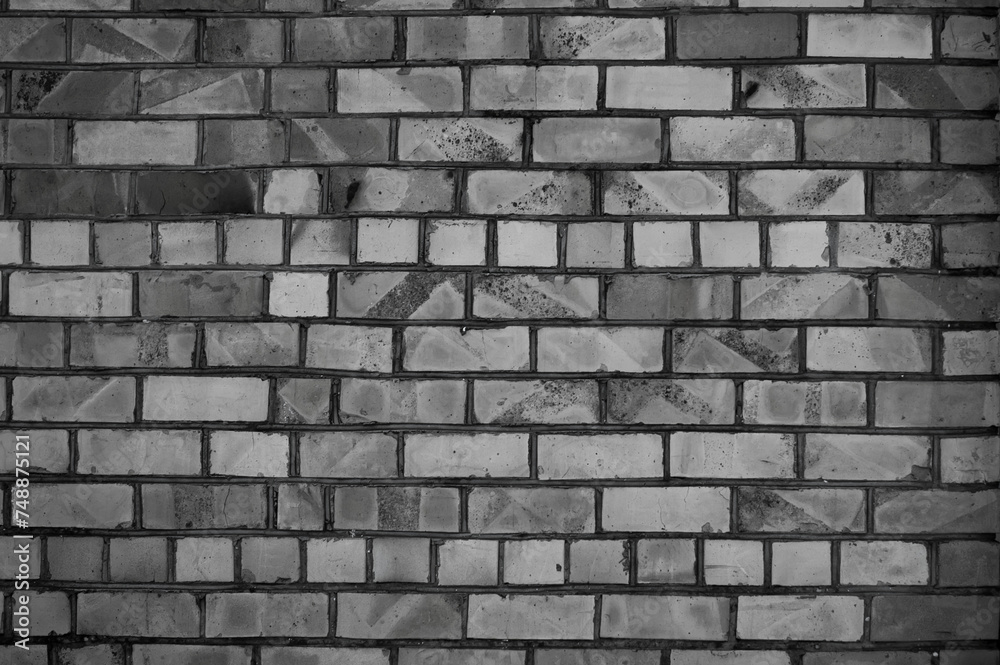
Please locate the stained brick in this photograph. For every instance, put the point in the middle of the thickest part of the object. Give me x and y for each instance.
(738, 139)
(804, 86)
(133, 40)
(647, 297)
(801, 510)
(135, 614)
(342, 39)
(935, 511)
(598, 37)
(347, 455)
(548, 88)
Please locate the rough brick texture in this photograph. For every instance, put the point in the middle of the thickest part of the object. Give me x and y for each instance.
(501, 332)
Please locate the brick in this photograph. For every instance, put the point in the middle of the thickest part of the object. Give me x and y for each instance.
(869, 36)
(827, 618)
(969, 37)
(532, 562)
(867, 457)
(360, 348)
(212, 398)
(526, 244)
(33, 141)
(78, 5)
(864, 244)
(936, 404)
(401, 401)
(665, 401)
(800, 563)
(60, 243)
(727, 36)
(868, 349)
(666, 193)
(732, 657)
(935, 87)
(49, 451)
(347, 455)
(248, 454)
(394, 5)
(662, 509)
(269, 560)
(130, 345)
(202, 506)
(935, 193)
(249, 344)
(857, 139)
(97, 294)
(393, 91)
(803, 296)
(189, 654)
(68, 192)
(969, 563)
(295, 191)
(666, 561)
(600, 349)
(196, 192)
(595, 245)
(738, 139)
(401, 560)
(598, 562)
(337, 560)
(398, 616)
(721, 455)
(81, 506)
(69, 558)
(458, 656)
(664, 617)
(123, 244)
(36, 39)
(969, 141)
(139, 452)
(187, 243)
(650, 297)
(320, 242)
(883, 563)
(712, 350)
(338, 140)
(540, 401)
(534, 296)
(253, 241)
(599, 456)
(935, 511)
(619, 140)
(208, 91)
(299, 294)
(303, 401)
(970, 459)
(400, 295)
(450, 349)
(175, 293)
(211, 5)
(528, 193)
(467, 38)
(730, 244)
(301, 507)
(243, 40)
(391, 190)
(531, 617)
(801, 510)
(468, 562)
(531, 510)
(129, 614)
(86, 655)
(301, 90)
(598, 37)
(74, 399)
(970, 245)
(133, 40)
(547, 88)
(31, 344)
(347, 39)
(460, 140)
(396, 508)
(971, 352)
(804, 86)
(734, 562)
(943, 299)
(204, 560)
(670, 87)
(932, 618)
(801, 192)
(263, 614)
(11, 242)
(466, 455)
(53, 612)
(815, 403)
(47, 92)
(242, 142)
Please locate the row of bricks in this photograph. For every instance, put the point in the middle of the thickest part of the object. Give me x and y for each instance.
(459, 6)
(829, 139)
(311, 191)
(890, 404)
(187, 654)
(442, 616)
(713, 562)
(444, 296)
(561, 349)
(512, 88)
(695, 37)
(487, 456)
(500, 243)
(510, 510)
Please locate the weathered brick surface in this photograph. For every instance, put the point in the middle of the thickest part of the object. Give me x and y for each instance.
(510, 332)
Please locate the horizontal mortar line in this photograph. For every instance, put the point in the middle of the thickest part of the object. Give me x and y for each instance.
(257, 426)
(570, 589)
(481, 375)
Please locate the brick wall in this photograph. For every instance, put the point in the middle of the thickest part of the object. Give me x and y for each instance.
(535, 332)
